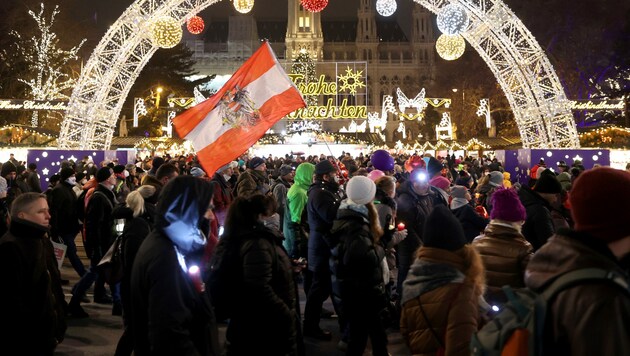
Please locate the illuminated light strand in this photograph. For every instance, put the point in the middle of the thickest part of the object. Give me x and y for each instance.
(452, 19)
(243, 6)
(386, 7)
(195, 25)
(450, 47)
(314, 5)
(166, 32)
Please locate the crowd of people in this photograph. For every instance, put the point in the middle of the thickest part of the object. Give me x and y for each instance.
(413, 243)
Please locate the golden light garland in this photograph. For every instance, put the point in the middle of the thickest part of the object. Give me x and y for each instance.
(166, 32)
(314, 5)
(195, 25)
(450, 47)
(243, 6)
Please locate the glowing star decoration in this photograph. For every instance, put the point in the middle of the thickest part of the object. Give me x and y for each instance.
(243, 6)
(195, 25)
(351, 81)
(166, 32)
(45, 171)
(452, 19)
(314, 5)
(386, 7)
(417, 103)
(450, 47)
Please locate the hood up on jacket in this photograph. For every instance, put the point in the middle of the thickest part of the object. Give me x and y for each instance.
(181, 208)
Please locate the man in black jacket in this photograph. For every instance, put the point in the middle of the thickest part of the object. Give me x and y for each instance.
(98, 237)
(63, 216)
(322, 204)
(33, 311)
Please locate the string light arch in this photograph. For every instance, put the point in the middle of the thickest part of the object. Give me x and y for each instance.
(541, 109)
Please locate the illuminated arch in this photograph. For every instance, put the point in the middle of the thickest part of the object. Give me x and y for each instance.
(112, 69)
(536, 96)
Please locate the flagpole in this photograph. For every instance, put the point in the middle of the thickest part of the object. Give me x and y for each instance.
(331, 153)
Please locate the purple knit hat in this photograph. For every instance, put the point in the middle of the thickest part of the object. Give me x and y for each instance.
(507, 206)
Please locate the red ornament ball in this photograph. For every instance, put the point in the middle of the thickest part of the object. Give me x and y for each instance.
(195, 25)
(314, 5)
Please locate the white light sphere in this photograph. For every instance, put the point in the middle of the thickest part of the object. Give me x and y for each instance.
(450, 47)
(452, 19)
(166, 32)
(243, 6)
(386, 7)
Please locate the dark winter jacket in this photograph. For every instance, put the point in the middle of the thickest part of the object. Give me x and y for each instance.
(265, 322)
(32, 180)
(222, 196)
(472, 222)
(505, 254)
(322, 204)
(538, 226)
(412, 211)
(99, 222)
(62, 202)
(591, 318)
(170, 317)
(356, 261)
(33, 310)
(251, 182)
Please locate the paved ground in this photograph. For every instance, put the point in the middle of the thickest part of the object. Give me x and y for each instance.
(98, 334)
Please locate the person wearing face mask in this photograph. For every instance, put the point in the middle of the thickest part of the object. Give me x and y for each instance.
(81, 179)
(172, 314)
(64, 222)
(98, 237)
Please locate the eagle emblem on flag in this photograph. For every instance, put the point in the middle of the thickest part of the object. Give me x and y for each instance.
(237, 109)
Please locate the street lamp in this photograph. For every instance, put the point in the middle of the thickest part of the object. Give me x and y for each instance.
(157, 99)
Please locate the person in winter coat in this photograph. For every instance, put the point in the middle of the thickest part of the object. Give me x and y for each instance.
(32, 303)
(591, 317)
(139, 217)
(472, 222)
(172, 314)
(486, 187)
(538, 202)
(280, 189)
(415, 201)
(386, 208)
(356, 263)
(443, 292)
(322, 204)
(223, 195)
(503, 249)
(265, 322)
(296, 222)
(254, 180)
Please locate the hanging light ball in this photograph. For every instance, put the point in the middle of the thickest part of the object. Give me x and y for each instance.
(450, 47)
(452, 19)
(195, 25)
(314, 5)
(386, 7)
(243, 6)
(166, 32)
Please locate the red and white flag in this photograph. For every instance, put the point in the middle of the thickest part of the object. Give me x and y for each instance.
(257, 96)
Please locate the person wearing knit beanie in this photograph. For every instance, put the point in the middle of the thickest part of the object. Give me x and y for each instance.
(507, 206)
(496, 179)
(103, 174)
(471, 221)
(598, 199)
(434, 167)
(443, 230)
(360, 190)
(503, 249)
(599, 242)
(197, 172)
(547, 183)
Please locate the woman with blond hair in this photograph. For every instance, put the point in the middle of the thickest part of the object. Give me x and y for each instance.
(356, 263)
(443, 291)
(139, 216)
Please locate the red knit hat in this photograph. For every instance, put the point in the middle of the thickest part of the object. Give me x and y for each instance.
(598, 199)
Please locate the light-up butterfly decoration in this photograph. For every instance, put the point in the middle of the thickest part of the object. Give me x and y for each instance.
(418, 103)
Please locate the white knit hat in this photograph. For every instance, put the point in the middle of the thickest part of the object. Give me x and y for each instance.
(361, 190)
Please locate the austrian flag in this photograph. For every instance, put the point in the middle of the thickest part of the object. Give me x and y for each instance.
(257, 96)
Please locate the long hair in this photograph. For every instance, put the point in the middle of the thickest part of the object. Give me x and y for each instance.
(135, 199)
(244, 212)
(482, 182)
(375, 225)
(475, 270)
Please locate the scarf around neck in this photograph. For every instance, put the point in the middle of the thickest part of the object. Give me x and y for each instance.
(426, 276)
